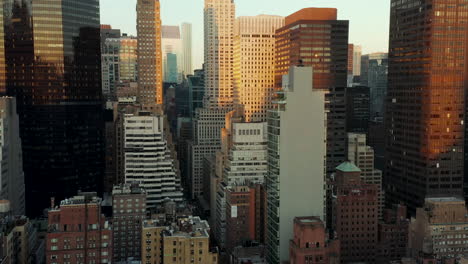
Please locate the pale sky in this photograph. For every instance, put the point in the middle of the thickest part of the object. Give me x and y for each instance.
(369, 19)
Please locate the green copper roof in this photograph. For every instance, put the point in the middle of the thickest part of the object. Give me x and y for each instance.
(348, 167)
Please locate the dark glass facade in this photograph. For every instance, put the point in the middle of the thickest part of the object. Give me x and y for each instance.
(53, 59)
(357, 109)
(425, 104)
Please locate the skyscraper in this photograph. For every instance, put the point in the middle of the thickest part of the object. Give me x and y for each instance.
(295, 181)
(11, 157)
(186, 35)
(172, 53)
(425, 106)
(219, 18)
(150, 70)
(54, 71)
(314, 37)
(254, 64)
(374, 70)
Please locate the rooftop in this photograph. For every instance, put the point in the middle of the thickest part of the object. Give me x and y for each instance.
(348, 167)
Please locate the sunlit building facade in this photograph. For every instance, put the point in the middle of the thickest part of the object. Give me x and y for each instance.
(425, 106)
(150, 70)
(254, 64)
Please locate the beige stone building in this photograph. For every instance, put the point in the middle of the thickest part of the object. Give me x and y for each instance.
(440, 229)
(185, 241)
(254, 64)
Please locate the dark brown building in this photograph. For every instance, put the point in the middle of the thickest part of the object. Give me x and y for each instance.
(355, 215)
(393, 234)
(425, 105)
(53, 68)
(315, 37)
(129, 211)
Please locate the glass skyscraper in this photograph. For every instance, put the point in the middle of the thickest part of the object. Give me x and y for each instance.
(53, 68)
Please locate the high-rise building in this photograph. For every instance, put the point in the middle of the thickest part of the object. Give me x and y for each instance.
(78, 226)
(110, 54)
(357, 52)
(357, 109)
(440, 229)
(362, 156)
(129, 212)
(219, 16)
(150, 56)
(355, 215)
(301, 40)
(128, 71)
(196, 85)
(254, 63)
(148, 159)
(184, 241)
(311, 243)
(374, 70)
(186, 36)
(108, 32)
(172, 54)
(57, 84)
(295, 181)
(11, 157)
(425, 106)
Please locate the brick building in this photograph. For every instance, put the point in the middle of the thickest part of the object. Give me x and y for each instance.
(311, 244)
(393, 234)
(355, 214)
(78, 232)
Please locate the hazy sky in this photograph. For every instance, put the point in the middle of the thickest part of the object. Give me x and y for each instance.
(368, 18)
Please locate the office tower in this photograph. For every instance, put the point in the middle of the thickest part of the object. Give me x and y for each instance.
(302, 39)
(148, 159)
(171, 71)
(196, 83)
(182, 241)
(57, 85)
(172, 54)
(374, 70)
(150, 56)
(186, 36)
(362, 156)
(439, 229)
(393, 234)
(254, 63)
(311, 243)
(425, 106)
(295, 182)
(128, 56)
(110, 54)
(129, 211)
(78, 226)
(108, 32)
(11, 157)
(350, 59)
(357, 109)
(357, 52)
(355, 217)
(219, 39)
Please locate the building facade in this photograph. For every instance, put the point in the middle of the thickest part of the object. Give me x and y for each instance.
(374, 70)
(185, 241)
(355, 215)
(358, 109)
(440, 228)
(148, 159)
(301, 41)
(425, 106)
(186, 35)
(78, 232)
(129, 212)
(11, 157)
(57, 85)
(311, 243)
(254, 63)
(172, 52)
(150, 56)
(295, 181)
